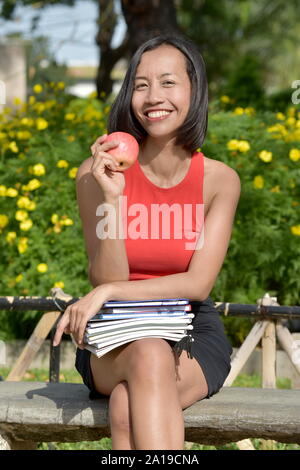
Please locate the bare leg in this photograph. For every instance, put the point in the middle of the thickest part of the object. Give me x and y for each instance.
(148, 392)
(157, 417)
(120, 419)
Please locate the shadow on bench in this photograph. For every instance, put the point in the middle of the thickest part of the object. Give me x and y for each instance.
(33, 412)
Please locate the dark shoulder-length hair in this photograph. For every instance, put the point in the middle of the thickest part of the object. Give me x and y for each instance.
(191, 133)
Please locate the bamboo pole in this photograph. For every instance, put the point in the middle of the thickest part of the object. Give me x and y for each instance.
(33, 345)
(288, 344)
(269, 361)
(242, 355)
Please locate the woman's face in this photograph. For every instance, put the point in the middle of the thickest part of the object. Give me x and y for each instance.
(162, 91)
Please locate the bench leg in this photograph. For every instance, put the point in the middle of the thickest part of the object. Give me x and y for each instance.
(10, 444)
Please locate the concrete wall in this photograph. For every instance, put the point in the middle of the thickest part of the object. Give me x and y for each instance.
(12, 71)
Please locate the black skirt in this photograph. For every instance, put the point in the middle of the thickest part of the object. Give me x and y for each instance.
(211, 348)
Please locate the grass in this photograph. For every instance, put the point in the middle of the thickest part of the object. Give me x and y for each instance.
(42, 375)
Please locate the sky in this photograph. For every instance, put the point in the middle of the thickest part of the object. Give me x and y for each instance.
(71, 30)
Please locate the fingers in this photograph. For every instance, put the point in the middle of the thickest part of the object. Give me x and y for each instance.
(62, 324)
(101, 146)
(72, 322)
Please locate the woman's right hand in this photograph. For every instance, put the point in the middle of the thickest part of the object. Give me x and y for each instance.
(105, 169)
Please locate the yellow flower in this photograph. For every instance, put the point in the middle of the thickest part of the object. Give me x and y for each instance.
(67, 221)
(54, 218)
(37, 88)
(72, 172)
(26, 224)
(294, 155)
(265, 156)
(238, 110)
(62, 164)
(70, 116)
(276, 189)
(42, 267)
(11, 192)
(296, 230)
(233, 144)
(60, 284)
(27, 121)
(38, 169)
(39, 108)
(19, 278)
(2, 190)
(243, 146)
(33, 184)
(10, 237)
(31, 206)
(22, 245)
(60, 85)
(2, 135)
(23, 202)
(258, 182)
(291, 121)
(57, 228)
(41, 124)
(71, 138)
(21, 215)
(13, 147)
(23, 135)
(3, 220)
(225, 99)
(280, 116)
(17, 101)
(31, 100)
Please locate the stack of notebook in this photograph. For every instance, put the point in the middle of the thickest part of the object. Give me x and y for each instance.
(120, 322)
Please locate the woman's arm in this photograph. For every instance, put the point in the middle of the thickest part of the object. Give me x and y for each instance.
(107, 257)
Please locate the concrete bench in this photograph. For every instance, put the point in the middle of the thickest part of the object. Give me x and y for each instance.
(33, 412)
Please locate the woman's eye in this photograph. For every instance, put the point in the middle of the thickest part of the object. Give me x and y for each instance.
(140, 85)
(168, 82)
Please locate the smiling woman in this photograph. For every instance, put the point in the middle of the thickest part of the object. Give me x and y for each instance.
(163, 104)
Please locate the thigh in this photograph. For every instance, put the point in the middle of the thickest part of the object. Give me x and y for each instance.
(146, 357)
(106, 370)
(190, 379)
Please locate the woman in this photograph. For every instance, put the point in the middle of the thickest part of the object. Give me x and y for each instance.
(163, 103)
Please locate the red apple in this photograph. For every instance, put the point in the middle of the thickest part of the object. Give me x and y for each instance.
(126, 152)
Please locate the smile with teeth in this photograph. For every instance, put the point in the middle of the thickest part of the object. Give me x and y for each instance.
(158, 114)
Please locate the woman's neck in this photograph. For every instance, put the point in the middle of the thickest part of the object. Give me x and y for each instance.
(166, 162)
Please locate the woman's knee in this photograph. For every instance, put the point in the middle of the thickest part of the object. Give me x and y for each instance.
(150, 357)
(119, 408)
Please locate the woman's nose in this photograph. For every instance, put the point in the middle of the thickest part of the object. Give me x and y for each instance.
(154, 95)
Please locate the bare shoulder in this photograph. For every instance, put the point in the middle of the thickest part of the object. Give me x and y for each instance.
(221, 176)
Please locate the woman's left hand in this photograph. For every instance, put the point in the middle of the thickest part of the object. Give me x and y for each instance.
(77, 315)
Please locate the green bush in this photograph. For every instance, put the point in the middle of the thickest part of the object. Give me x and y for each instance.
(43, 144)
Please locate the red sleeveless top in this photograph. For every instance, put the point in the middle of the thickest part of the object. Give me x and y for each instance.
(162, 225)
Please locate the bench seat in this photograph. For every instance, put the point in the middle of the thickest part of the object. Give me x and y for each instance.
(32, 412)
